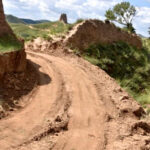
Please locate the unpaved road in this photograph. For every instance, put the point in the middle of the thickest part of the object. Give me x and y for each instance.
(77, 107)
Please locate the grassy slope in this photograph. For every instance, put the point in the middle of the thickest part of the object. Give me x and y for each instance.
(9, 43)
(29, 32)
(25, 32)
(128, 65)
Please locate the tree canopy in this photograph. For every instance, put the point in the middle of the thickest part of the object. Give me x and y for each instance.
(122, 13)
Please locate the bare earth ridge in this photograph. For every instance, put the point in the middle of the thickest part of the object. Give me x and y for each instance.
(77, 107)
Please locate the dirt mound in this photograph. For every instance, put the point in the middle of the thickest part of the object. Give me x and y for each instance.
(95, 32)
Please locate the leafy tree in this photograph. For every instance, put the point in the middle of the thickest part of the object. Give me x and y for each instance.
(122, 13)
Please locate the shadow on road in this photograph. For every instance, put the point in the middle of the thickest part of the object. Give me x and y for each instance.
(15, 86)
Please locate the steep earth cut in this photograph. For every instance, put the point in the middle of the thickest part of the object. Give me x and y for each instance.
(10, 61)
(94, 32)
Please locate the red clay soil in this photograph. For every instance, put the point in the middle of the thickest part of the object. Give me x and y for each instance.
(77, 106)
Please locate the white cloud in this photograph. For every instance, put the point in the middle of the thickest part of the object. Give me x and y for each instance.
(74, 8)
(143, 13)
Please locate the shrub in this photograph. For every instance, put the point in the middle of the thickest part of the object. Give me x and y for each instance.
(127, 64)
(9, 43)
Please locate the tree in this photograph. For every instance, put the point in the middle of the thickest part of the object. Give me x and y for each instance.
(122, 13)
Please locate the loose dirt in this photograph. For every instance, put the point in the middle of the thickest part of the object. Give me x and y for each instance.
(76, 106)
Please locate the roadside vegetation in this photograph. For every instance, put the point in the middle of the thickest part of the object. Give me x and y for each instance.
(127, 64)
(9, 43)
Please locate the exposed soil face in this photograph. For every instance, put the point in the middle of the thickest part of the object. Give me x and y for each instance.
(12, 62)
(76, 106)
(95, 32)
(13, 88)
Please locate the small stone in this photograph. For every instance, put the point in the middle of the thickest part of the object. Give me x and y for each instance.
(124, 98)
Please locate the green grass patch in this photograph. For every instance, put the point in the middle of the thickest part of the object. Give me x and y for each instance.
(26, 32)
(9, 43)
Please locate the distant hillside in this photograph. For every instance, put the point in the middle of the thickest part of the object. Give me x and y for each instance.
(141, 36)
(45, 30)
(13, 19)
(30, 21)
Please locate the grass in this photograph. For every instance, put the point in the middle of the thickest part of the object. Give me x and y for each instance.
(29, 32)
(53, 27)
(26, 32)
(9, 43)
(127, 64)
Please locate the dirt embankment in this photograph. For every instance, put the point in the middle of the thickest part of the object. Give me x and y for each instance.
(12, 62)
(95, 32)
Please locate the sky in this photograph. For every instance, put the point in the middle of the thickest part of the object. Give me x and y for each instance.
(75, 9)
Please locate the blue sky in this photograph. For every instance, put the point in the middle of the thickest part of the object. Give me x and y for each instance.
(51, 10)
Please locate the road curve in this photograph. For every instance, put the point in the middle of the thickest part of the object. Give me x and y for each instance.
(76, 107)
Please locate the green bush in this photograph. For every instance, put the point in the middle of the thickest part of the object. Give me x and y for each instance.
(9, 43)
(127, 64)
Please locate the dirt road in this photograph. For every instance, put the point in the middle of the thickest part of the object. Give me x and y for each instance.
(76, 107)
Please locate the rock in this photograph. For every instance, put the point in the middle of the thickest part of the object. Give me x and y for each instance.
(95, 31)
(63, 18)
(4, 27)
(12, 62)
(125, 97)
